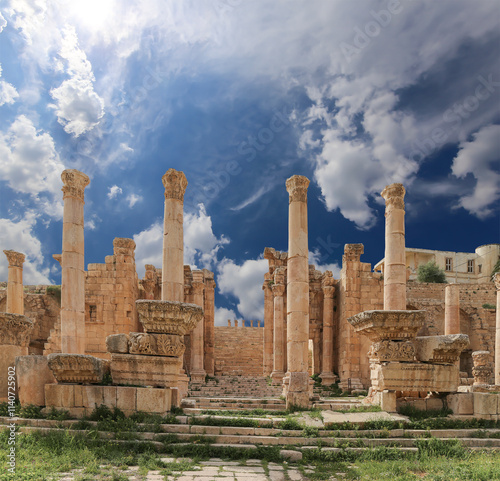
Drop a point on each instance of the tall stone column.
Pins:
(268, 326)
(278, 320)
(296, 383)
(172, 285)
(497, 332)
(15, 292)
(452, 309)
(395, 255)
(327, 376)
(73, 263)
(209, 333)
(197, 369)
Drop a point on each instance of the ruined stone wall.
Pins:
(238, 350)
(42, 305)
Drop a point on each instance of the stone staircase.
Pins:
(228, 386)
(270, 431)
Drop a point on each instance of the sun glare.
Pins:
(92, 14)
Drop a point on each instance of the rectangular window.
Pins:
(480, 268)
(448, 264)
(470, 267)
(93, 313)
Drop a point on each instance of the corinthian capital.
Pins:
(175, 184)
(278, 290)
(297, 186)
(15, 259)
(394, 195)
(74, 183)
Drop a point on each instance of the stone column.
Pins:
(73, 264)
(395, 256)
(209, 333)
(297, 379)
(497, 332)
(452, 309)
(278, 320)
(197, 369)
(268, 326)
(172, 285)
(327, 376)
(15, 293)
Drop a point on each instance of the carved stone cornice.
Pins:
(16, 259)
(383, 351)
(441, 349)
(74, 183)
(394, 196)
(58, 258)
(328, 291)
(77, 368)
(296, 187)
(496, 279)
(175, 184)
(15, 329)
(156, 344)
(278, 290)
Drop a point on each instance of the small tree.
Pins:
(495, 270)
(430, 272)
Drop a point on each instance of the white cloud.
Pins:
(253, 198)
(245, 283)
(149, 245)
(478, 157)
(200, 243)
(3, 22)
(78, 107)
(19, 236)
(8, 93)
(222, 315)
(30, 164)
(315, 259)
(114, 191)
(132, 199)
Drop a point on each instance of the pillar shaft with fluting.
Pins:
(452, 309)
(327, 376)
(395, 255)
(172, 286)
(497, 332)
(278, 321)
(73, 263)
(15, 292)
(197, 369)
(209, 330)
(297, 392)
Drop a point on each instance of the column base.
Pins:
(277, 378)
(328, 378)
(198, 376)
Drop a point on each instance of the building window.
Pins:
(470, 266)
(480, 268)
(93, 313)
(448, 264)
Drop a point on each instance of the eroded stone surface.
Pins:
(77, 368)
(117, 343)
(15, 329)
(441, 349)
(156, 344)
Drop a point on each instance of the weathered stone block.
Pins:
(52, 395)
(485, 403)
(93, 396)
(77, 368)
(152, 400)
(126, 398)
(33, 374)
(117, 343)
(109, 396)
(441, 349)
(388, 401)
(461, 403)
(156, 344)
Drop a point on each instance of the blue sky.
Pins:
(241, 95)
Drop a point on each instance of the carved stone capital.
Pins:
(77, 368)
(352, 252)
(197, 287)
(383, 351)
(328, 291)
(296, 187)
(481, 358)
(175, 184)
(123, 243)
(15, 329)
(210, 284)
(279, 275)
(156, 344)
(496, 278)
(74, 183)
(394, 196)
(16, 259)
(278, 290)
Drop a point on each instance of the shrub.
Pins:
(54, 291)
(30, 411)
(430, 272)
(489, 306)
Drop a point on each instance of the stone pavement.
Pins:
(214, 469)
